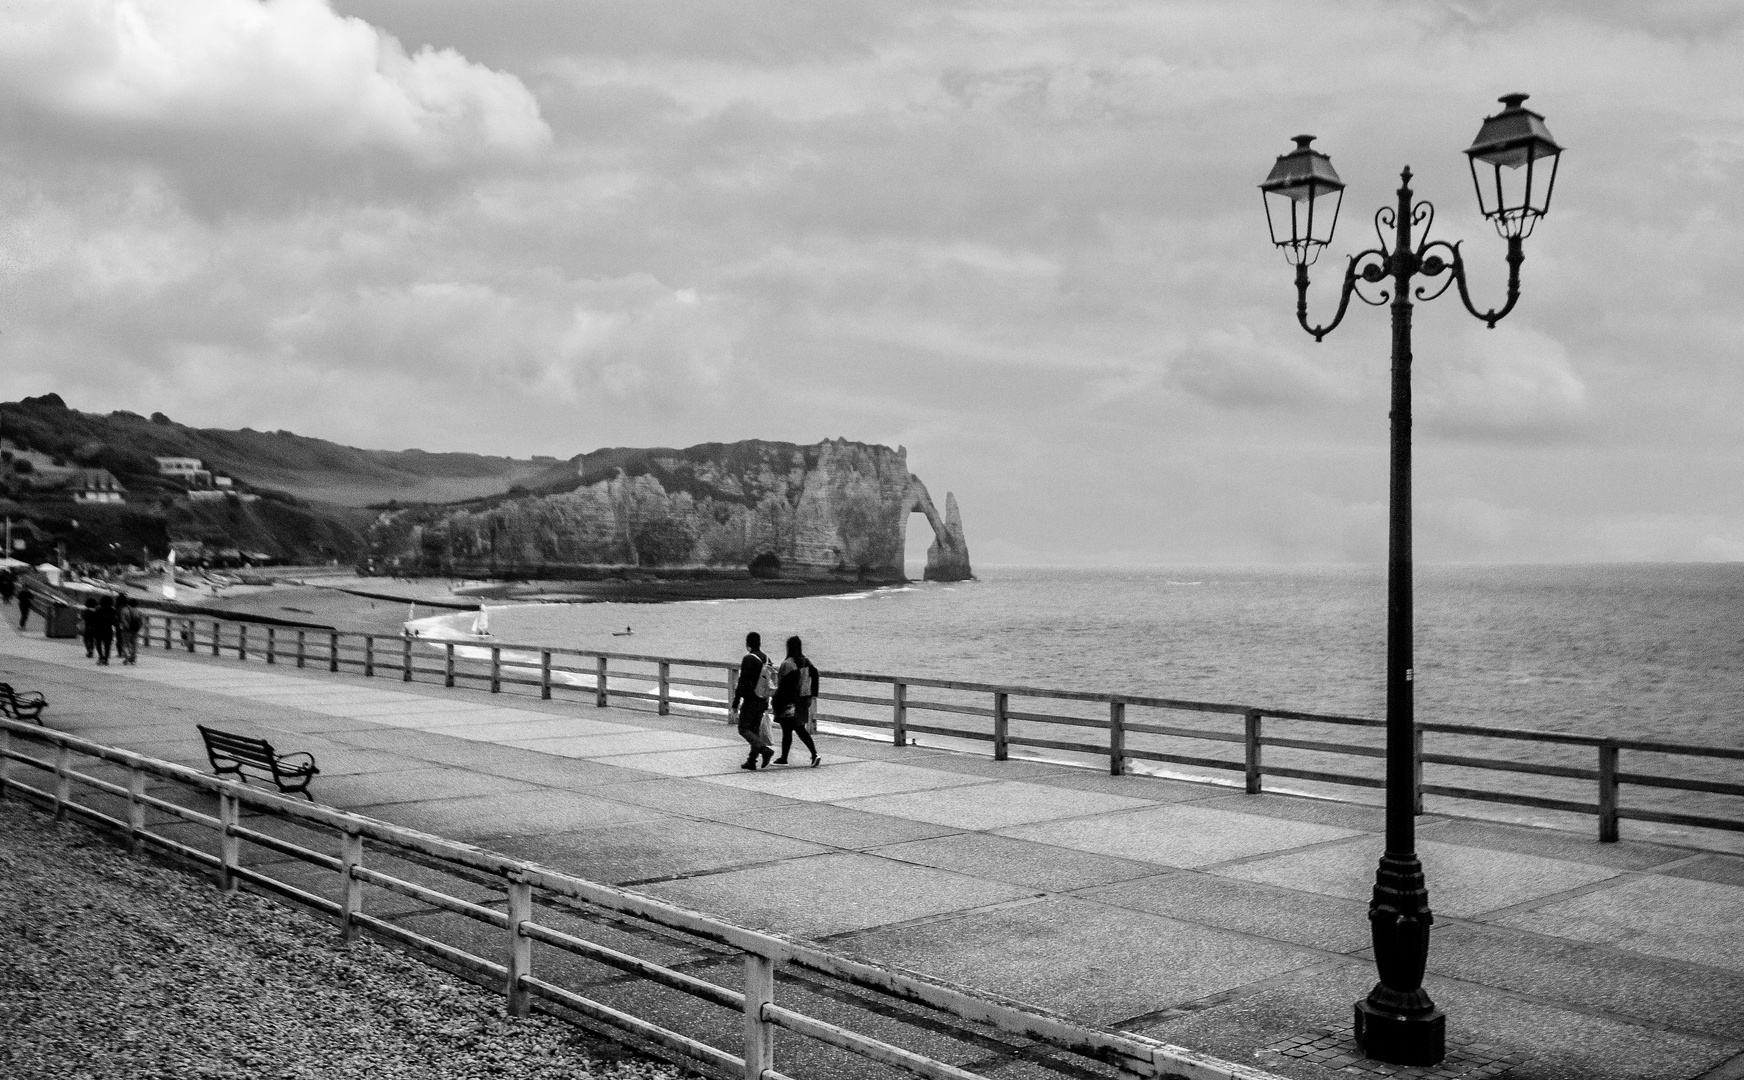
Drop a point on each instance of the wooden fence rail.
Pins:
(1036, 720)
(519, 925)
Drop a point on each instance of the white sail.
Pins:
(481, 625)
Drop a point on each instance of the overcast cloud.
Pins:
(1022, 239)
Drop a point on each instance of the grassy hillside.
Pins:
(314, 469)
(312, 493)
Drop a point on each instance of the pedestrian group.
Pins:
(792, 689)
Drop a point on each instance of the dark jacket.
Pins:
(787, 690)
(749, 668)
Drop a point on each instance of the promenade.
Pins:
(1228, 923)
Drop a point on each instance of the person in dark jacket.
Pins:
(24, 599)
(748, 704)
(88, 626)
(103, 633)
(796, 701)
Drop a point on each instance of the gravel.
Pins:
(114, 966)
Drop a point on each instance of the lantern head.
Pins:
(1302, 195)
(1513, 166)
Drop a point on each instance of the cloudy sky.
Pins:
(1021, 239)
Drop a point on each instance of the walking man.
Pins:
(751, 698)
(127, 624)
(23, 604)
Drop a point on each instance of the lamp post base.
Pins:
(1401, 1040)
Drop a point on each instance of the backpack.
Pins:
(766, 681)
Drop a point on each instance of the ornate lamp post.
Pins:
(1513, 166)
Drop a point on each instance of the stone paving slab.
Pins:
(848, 780)
(515, 813)
(992, 805)
(1463, 881)
(1084, 958)
(410, 785)
(1559, 1043)
(697, 799)
(831, 894)
(1668, 917)
(1180, 835)
(1321, 922)
(629, 742)
(1020, 862)
(1708, 1000)
(651, 850)
(842, 827)
(537, 726)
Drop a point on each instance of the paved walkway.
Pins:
(1229, 923)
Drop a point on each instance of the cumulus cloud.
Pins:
(1237, 368)
(1507, 383)
(251, 72)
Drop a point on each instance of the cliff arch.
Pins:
(948, 555)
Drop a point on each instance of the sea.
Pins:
(1630, 650)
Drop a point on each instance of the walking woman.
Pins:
(795, 701)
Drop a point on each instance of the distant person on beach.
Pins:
(796, 701)
(128, 622)
(23, 604)
(88, 627)
(103, 634)
(751, 697)
(6, 586)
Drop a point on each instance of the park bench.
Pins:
(21, 706)
(242, 756)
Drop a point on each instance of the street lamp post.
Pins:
(1513, 165)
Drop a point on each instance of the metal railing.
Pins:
(1118, 728)
(532, 909)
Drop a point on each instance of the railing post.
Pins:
(369, 655)
(732, 685)
(520, 946)
(1607, 792)
(665, 707)
(599, 683)
(759, 1033)
(1116, 738)
(62, 784)
(1417, 771)
(351, 903)
(242, 641)
(1001, 724)
(300, 648)
(1251, 743)
(496, 680)
(135, 808)
(406, 659)
(217, 636)
(5, 760)
(448, 666)
(227, 841)
(272, 640)
(899, 713)
(190, 635)
(332, 652)
(544, 674)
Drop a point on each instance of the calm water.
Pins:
(1633, 649)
